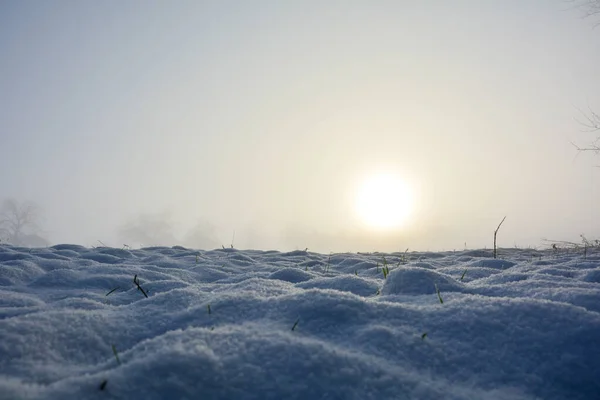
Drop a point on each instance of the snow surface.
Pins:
(526, 326)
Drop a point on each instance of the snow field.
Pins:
(218, 324)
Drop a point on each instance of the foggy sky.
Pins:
(193, 120)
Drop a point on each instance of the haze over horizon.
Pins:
(188, 121)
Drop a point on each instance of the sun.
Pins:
(384, 201)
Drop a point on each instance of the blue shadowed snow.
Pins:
(231, 324)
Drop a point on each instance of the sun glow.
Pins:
(384, 201)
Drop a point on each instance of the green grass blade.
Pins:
(439, 295)
(295, 324)
(114, 349)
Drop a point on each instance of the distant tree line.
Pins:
(157, 230)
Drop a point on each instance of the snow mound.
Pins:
(492, 263)
(292, 275)
(350, 284)
(592, 276)
(418, 281)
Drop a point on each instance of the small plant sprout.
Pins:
(112, 291)
(386, 271)
(295, 324)
(463, 274)
(385, 268)
(355, 272)
(114, 349)
(495, 234)
(208, 308)
(378, 292)
(438, 294)
(423, 336)
(404, 256)
(586, 244)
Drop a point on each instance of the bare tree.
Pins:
(148, 230)
(590, 8)
(19, 223)
(590, 121)
(201, 236)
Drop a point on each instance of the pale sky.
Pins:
(264, 117)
